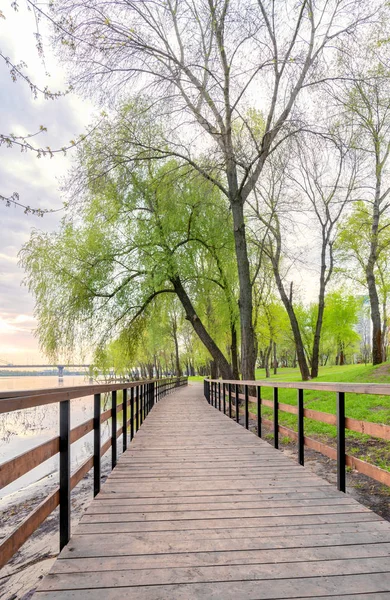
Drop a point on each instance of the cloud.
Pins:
(35, 180)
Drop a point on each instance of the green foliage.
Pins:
(118, 250)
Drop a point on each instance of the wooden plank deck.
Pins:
(200, 508)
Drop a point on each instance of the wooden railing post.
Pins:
(276, 419)
(258, 396)
(113, 428)
(96, 444)
(64, 473)
(246, 391)
(301, 434)
(124, 420)
(341, 441)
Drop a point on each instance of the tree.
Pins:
(340, 319)
(365, 99)
(126, 246)
(326, 176)
(200, 63)
(354, 250)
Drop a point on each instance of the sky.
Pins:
(36, 180)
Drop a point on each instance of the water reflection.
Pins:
(22, 430)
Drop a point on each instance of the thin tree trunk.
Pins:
(320, 317)
(377, 357)
(266, 361)
(220, 360)
(300, 352)
(236, 372)
(275, 360)
(177, 357)
(248, 354)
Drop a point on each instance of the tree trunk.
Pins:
(236, 372)
(300, 352)
(266, 360)
(177, 357)
(220, 360)
(320, 316)
(342, 357)
(275, 360)
(248, 354)
(377, 357)
(213, 369)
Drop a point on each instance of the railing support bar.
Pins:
(113, 429)
(301, 434)
(258, 396)
(96, 444)
(64, 473)
(276, 419)
(341, 441)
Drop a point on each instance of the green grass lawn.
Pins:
(358, 406)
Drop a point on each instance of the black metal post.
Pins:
(224, 398)
(137, 407)
(237, 399)
(341, 441)
(230, 400)
(124, 420)
(113, 429)
(131, 413)
(141, 403)
(96, 444)
(301, 434)
(219, 396)
(64, 473)
(258, 396)
(246, 389)
(276, 419)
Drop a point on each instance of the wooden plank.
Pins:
(215, 557)
(224, 540)
(307, 587)
(114, 516)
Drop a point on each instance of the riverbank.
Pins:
(20, 577)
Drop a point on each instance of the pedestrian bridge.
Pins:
(198, 507)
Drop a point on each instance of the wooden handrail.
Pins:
(381, 389)
(378, 430)
(212, 392)
(9, 401)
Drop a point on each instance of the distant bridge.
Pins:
(61, 368)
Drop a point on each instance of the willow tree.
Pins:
(130, 239)
(225, 76)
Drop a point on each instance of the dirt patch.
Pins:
(383, 370)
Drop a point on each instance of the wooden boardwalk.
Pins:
(200, 508)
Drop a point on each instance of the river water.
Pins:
(22, 430)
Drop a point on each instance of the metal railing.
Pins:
(223, 393)
(138, 398)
